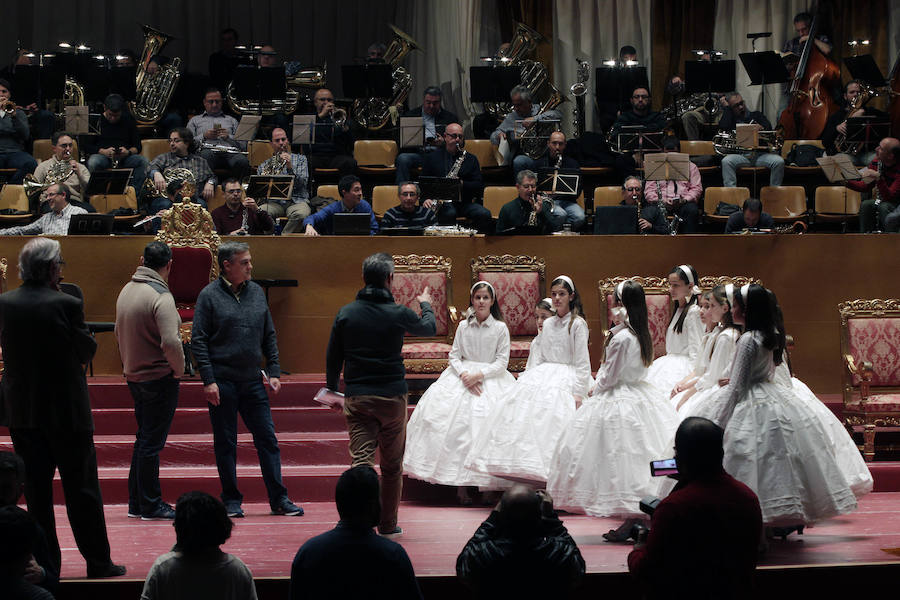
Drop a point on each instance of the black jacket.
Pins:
(438, 163)
(441, 120)
(736, 222)
(366, 340)
(655, 216)
(830, 132)
(45, 347)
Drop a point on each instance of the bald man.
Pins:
(284, 162)
(883, 175)
(333, 147)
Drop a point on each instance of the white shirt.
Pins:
(688, 341)
(623, 364)
(722, 344)
(49, 224)
(560, 345)
(486, 342)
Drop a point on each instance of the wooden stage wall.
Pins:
(810, 274)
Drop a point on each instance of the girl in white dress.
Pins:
(452, 410)
(685, 332)
(850, 460)
(601, 465)
(717, 353)
(773, 443)
(542, 311)
(519, 437)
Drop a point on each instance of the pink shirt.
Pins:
(688, 190)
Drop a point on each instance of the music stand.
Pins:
(866, 133)
(302, 129)
(441, 189)
(108, 182)
(270, 187)
(259, 83)
(637, 139)
(840, 169)
(493, 84)
(539, 130)
(35, 84)
(247, 128)
(703, 76)
(367, 81)
(561, 183)
(764, 68)
(863, 68)
(412, 132)
(77, 121)
(615, 84)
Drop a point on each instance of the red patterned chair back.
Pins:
(876, 340)
(412, 273)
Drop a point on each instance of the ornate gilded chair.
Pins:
(188, 229)
(870, 378)
(520, 283)
(412, 273)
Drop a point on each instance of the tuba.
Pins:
(725, 142)
(373, 113)
(153, 90)
(188, 189)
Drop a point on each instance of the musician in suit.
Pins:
(837, 124)
(435, 119)
(651, 218)
(528, 213)
(526, 111)
(737, 113)
(555, 158)
(45, 402)
(442, 162)
(333, 147)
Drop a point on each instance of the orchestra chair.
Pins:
(218, 199)
(702, 148)
(376, 157)
(795, 170)
(607, 195)
(43, 149)
(328, 191)
(833, 206)
(412, 273)
(383, 198)
(786, 203)
(106, 203)
(189, 231)
(13, 197)
(153, 147)
(495, 196)
(519, 283)
(870, 374)
(488, 160)
(713, 195)
(258, 152)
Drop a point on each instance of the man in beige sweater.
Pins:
(147, 329)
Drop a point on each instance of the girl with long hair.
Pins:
(452, 411)
(518, 438)
(684, 334)
(601, 463)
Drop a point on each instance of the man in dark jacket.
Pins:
(521, 550)
(751, 217)
(435, 119)
(366, 340)
(48, 412)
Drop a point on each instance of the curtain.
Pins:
(595, 30)
(679, 26)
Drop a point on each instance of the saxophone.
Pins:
(153, 90)
(454, 170)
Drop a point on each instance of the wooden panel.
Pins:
(810, 273)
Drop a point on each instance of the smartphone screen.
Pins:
(661, 468)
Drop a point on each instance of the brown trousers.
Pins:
(379, 421)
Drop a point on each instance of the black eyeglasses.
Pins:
(454, 135)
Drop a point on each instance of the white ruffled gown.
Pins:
(449, 417)
(681, 350)
(519, 437)
(601, 465)
(849, 459)
(722, 342)
(775, 444)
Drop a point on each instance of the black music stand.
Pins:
(270, 187)
(367, 81)
(703, 76)
(441, 189)
(493, 84)
(121, 81)
(615, 84)
(638, 139)
(266, 284)
(110, 181)
(764, 68)
(259, 83)
(863, 68)
(563, 184)
(839, 169)
(35, 84)
(866, 132)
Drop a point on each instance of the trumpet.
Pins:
(338, 115)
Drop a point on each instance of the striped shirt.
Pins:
(300, 168)
(49, 224)
(397, 217)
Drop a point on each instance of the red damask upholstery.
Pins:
(409, 285)
(879, 402)
(659, 313)
(519, 349)
(426, 350)
(517, 295)
(876, 341)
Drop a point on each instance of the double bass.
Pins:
(812, 100)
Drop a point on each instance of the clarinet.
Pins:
(558, 162)
(454, 170)
(676, 220)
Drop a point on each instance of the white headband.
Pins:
(548, 301)
(619, 289)
(744, 291)
(487, 283)
(729, 293)
(568, 280)
(686, 269)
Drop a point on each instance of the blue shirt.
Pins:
(323, 220)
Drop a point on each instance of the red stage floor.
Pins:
(434, 535)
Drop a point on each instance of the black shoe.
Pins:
(134, 513)
(109, 570)
(163, 512)
(234, 511)
(288, 509)
(389, 534)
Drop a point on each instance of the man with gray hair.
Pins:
(55, 222)
(49, 412)
(525, 111)
(736, 113)
(409, 213)
(435, 119)
(366, 340)
(530, 212)
(148, 331)
(232, 333)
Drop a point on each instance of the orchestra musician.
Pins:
(651, 218)
(836, 125)
(680, 198)
(217, 130)
(13, 135)
(41, 121)
(224, 61)
(737, 113)
(453, 160)
(793, 48)
(333, 147)
(183, 155)
(62, 159)
(640, 114)
(435, 119)
(118, 141)
(529, 212)
(523, 110)
(555, 158)
(285, 162)
(240, 215)
(409, 213)
(882, 178)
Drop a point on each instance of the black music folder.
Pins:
(493, 84)
(91, 224)
(615, 220)
(351, 223)
(446, 189)
(367, 81)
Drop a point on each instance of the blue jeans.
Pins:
(571, 212)
(250, 400)
(406, 162)
(154, 408)
(522, 162)
(22, 162)
(98, 162)
(731, 163)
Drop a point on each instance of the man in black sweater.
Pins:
(366, 340)
(118, 142)
(232, 332)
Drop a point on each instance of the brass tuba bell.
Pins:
(153, 90)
